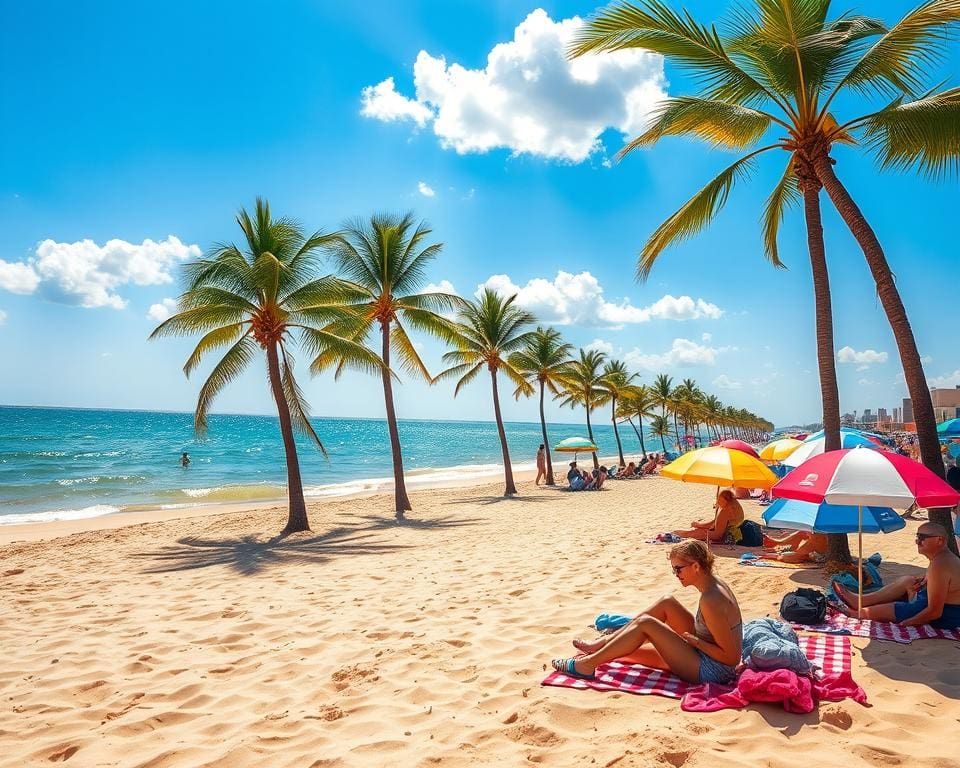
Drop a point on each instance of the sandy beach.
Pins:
(206, 641)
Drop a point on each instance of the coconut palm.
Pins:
(384, 261)
(490, 330)
(713, 413)
(637, 402)
(616, 383)
(582, 387)
(543, 361)
(263, 295)
(785, 67)
(660, 427)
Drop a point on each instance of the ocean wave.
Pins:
(97, 510)
(100, 480)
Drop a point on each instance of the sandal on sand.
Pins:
(566, 667)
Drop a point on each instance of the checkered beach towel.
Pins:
(839, 624)
(829, 653)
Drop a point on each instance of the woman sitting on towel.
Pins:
(705, 648)
(725, 524)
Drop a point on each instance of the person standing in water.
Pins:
(185, 460)
(541, 464)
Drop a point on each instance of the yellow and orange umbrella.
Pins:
(721, 467)
(778, 450)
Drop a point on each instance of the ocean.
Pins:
(71, 463)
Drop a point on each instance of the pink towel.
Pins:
(797, 693)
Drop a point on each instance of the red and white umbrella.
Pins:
(859, 476)
(862, 477)
(739, 445)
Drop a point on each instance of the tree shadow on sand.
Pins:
(378, 523)
(249, 555)
(487, 500)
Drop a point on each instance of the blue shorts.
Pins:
(712, 671)
(949, 619)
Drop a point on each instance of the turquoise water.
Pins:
(58, 463)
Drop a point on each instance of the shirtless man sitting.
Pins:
(911, 601)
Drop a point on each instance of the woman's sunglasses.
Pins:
(678, 568)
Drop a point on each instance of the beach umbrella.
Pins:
(575, 445)
(778, 450)
(949, 428)
(831, 518)
(816, 443)
(858, 477)
(739, 445)
(720, 466)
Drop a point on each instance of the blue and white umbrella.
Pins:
(831, 518)
(816, 443)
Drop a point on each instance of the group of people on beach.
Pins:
(584, 480)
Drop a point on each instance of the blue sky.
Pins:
(143, 129)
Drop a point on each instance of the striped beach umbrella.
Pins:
(816, 444)
(778, 450)
(720, 466)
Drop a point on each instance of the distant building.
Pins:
(867, 416)
(897, 413)
(882, 416)
(907, 410)
(946, 403)
(849, 418)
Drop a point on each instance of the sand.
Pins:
(205, 641)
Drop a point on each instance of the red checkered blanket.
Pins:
(829, 653)
(839, 624)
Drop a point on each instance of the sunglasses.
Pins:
(678, 568)
(922, 536)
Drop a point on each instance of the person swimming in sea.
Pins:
(185, 460)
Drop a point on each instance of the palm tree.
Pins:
(489, 331)
(582, 386)
(385, 260)
(713, 413)
(660, 427)
(785, 67)
(638, 402)
(543, 360)
(616, 382)
(254, 296)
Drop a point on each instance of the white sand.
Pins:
(203, 641)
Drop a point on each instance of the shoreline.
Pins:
(440, 479)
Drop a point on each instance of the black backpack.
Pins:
(804, 606)
(750, 534)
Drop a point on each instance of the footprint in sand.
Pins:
(62, 755)
(13, 572)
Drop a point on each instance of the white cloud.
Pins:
(444, 286)
(724, 382)
(865, 382)
(926, 359)
(160, 312)
(683, 353)
(18, 277)
(382, 102)
(706, 338)
(600, 346)
(947, 381)
(863, 368)
(529, 98)
(868, 356)
(3, 317)
(425, 189)
(578, 300)
(86, 274)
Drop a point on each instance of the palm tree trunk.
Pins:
(923, 414)
(616, 432)
(676, 432)
(297, 508)
(546, 441)
(838, 545)
(643, 448)
(511, 489)
(400, 499)
(663, 444)
(596, 464)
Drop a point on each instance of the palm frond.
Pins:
(696, 213)
(231, 365)
(718, 123)
(296, 402)
(923, 134)
(784, 195)
(218, 337)
(410, 360)
(200, 319)
(348, 353)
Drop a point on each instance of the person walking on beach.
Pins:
(185, 460)
(541, 464)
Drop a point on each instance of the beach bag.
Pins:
(750, 534)
(804, 606)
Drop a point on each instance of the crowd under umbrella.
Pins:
(722, 467)
(575, 445)
(864, 478)
(816, 444)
